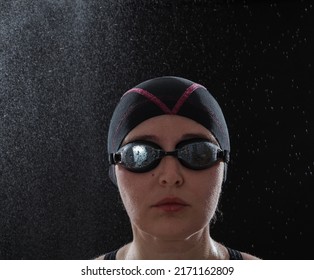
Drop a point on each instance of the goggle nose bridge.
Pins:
(162, 154)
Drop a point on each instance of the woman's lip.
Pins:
(168, 207)
(171, 201)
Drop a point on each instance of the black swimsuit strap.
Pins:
(111, 255)
(234, 254)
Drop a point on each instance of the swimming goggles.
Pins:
(143, 156)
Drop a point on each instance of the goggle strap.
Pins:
(224, 155)
(110, 159)
(114, 158)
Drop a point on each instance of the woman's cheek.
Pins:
(131, 191)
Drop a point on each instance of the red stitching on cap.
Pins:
(152, 98)
(185, 96)
(161, 104)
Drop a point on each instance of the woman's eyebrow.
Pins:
(199, 135)
(145, 137)
(186, 136)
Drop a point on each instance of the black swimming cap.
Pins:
(166, 95)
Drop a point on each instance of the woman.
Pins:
(169, 147)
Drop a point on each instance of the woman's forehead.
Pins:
(171, 127)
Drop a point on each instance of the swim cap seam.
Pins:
(151, 98)
(185, 96)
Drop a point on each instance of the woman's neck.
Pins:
(145, 246)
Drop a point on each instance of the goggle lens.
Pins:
(138, 156)
(198, 155)
(143, 156)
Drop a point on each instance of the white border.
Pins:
(252, 269)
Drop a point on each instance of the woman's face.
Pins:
(191, 196)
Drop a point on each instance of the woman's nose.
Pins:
(170, 172)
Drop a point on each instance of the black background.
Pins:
(63, 67)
